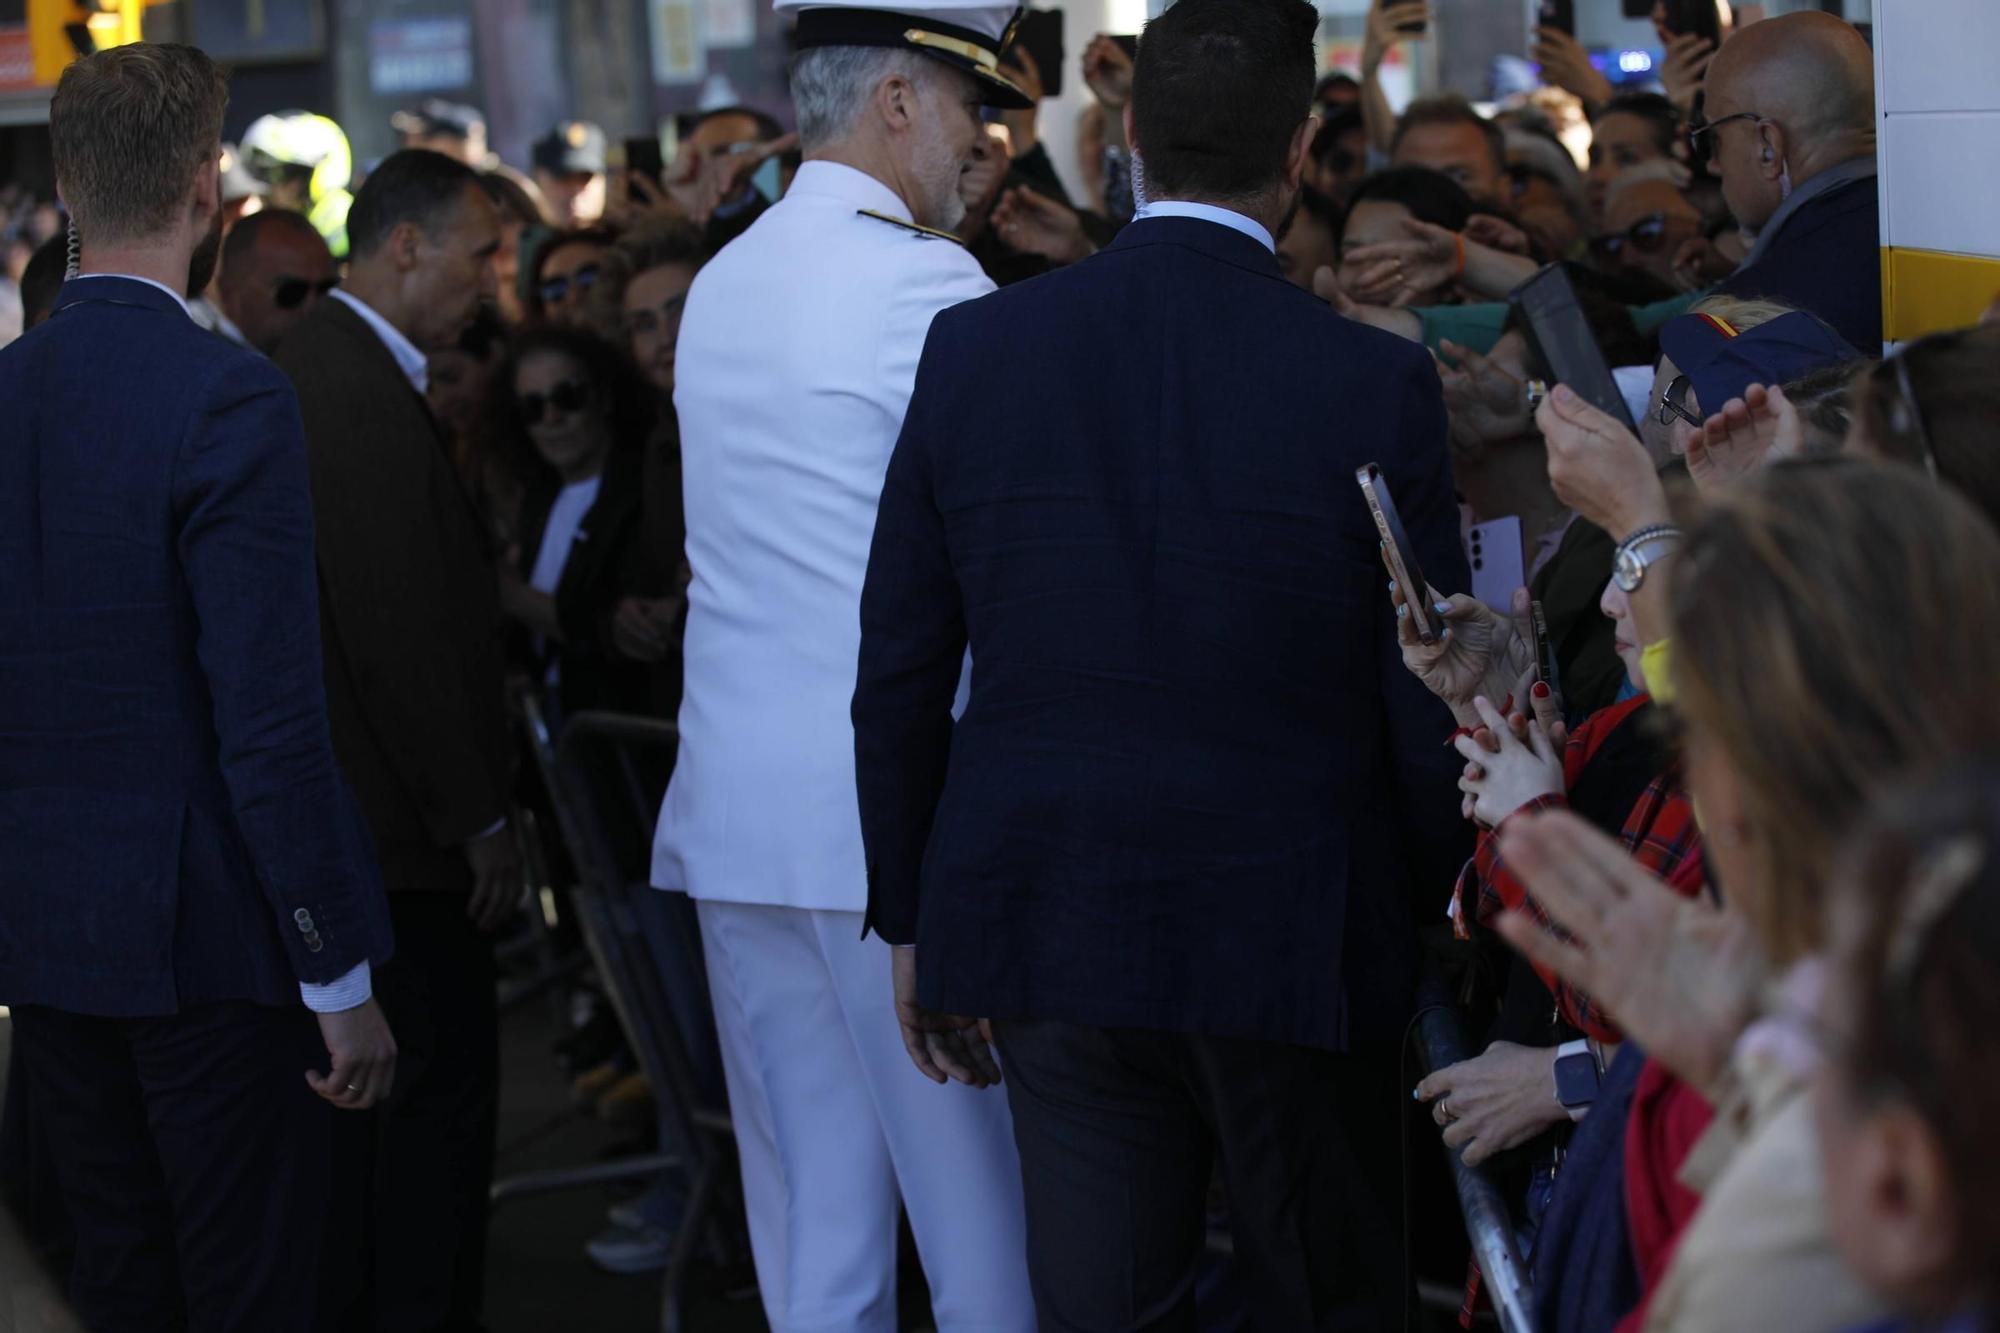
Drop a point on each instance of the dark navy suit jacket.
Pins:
(1194, 786)
(173, 828)
(1826, 258)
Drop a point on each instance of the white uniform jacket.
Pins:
(797, 355)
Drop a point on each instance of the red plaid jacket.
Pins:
(1659, 832)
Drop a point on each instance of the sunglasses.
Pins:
(566, 397)
(556, 290)
(291, 293)
(1646, 236)
(1906, 414)
(1673, 403)
(1702, 128)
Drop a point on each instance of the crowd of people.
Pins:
(1044, 721)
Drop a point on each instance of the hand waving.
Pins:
(1749, 433)
(1680, 975)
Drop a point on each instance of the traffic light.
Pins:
(61, 30)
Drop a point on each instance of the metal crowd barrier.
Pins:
(1489, 1223)
(605, 808)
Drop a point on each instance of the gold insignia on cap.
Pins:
(576, 134)
(937, 41)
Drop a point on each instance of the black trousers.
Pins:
(192, 1160)
(411, 1177)
(1120, 1133)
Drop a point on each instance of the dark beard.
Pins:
(201, 264)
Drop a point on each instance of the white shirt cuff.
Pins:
(349, 992)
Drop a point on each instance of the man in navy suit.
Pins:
(183, 862)
(1170, 848)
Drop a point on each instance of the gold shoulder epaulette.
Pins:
(911, 227)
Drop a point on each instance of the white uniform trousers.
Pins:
(831, 1118)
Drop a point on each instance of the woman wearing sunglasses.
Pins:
(1646, 222)
(566, 402)
(565, 274)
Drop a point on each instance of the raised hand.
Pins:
(1598, 467)
(1035, 224)
(1749, 433)
(1566, 64)
(1107, 70)
(1484, 402)
(1507, 773)
(1386, 30)
(1681, 976)
(1479, 653)
(1402, 323)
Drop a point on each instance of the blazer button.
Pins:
(304, 918)
(313, 942)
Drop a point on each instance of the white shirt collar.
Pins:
(849, 185)
(226, 326)
(1223, 217)
(179, 299)
(416, 367)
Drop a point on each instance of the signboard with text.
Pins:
(412, 56)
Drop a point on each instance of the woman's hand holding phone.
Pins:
(1479, 652)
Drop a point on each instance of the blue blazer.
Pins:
(174, 828)
(1194, 786)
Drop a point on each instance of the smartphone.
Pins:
(1697, 17)
(1557, 14)
(643, 158)
(1402, 556)
(1041, 36)
(1415, 28)
(1546, 671)
(1494, 551)
(1637, 9)
(767, 180)
(1130, 41)
(1562, 336)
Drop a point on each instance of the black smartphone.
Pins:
(1557, 14)
(1561, 335)
(1696, 17)
(1128, 40)
(1401, 556)
(1041, 36)
(643, 158)
(1546, 670)
(1637, 9)
(1414, 28)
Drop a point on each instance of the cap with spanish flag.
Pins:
(1721, 361)
(969, 36)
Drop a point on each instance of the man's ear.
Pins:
(406, 240)
(208, 187)
(1301, 151)
(1771, 156)
(896, 103)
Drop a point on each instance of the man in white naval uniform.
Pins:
(797, 355)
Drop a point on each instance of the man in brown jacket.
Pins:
(410, 622)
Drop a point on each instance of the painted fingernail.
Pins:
(1392, 585)
(1541, 690)
(1442, 608)
(1402, 613)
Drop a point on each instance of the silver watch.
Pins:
(1641, 549)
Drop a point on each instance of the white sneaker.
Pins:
(631, 1250)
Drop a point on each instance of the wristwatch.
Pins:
(1636, 552)
(1577, 1077)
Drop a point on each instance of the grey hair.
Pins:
(830, 84)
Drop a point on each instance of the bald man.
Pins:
(1790, 115)
(275, 269)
